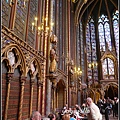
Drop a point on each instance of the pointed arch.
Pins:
(21, 62)
(37, 65)
(110, 84)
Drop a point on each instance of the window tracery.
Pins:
(108, 68)
(92, 71)
(116, 31)
(105, 43)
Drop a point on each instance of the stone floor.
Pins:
(111, 117)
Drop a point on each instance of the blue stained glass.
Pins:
(91, 50)
(116, 31)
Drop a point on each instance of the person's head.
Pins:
(52, 116)
(66, 117)
(72, 115)
(89, 101)
(36, 115)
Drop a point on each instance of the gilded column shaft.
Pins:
(31, 97)
(65, 96)
(13, 14)
(43, 92)
(57, 99)
(39, 96)
(38, 106)
(46, 49)
(54, 100)
(9, 77)
(21, 98)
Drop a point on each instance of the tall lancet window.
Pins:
(116, 31)
(108, 69)
(20, 20)
(91, 52)
(32, 19)
(82, 64)
(104, 33)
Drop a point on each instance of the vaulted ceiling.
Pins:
(94, 8)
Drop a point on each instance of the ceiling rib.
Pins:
(91, 11)
(99, 8)
(114, 4)
(84, 10)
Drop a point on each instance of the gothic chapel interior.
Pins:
(57, 52)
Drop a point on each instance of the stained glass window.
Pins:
(116, 30)
(105, 41)
(108, 68)
(81, 49)
(33, 14)
(20, 20)
(6, 9)
(104, 37)
(91, 51)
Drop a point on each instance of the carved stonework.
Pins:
(53, 78)
(108, 53)
(23, 80)
(53, 54)
(11, 57)
(22, 44)
(9, 77)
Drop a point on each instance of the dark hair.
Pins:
(51, 116)
(72, 115)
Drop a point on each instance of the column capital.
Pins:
(9, 77)
(53, 85)
(40, 83)
(32, 81)
(22, 80)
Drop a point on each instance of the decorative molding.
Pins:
(11, 37)
(24, 53)
(108, 53)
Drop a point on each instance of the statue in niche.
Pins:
(11, 57)
(53, 54)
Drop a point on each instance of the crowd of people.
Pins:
(108, 106)
(88, 111)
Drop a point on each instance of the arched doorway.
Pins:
(111, 92)
(61, 94)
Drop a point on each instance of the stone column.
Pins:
(79, 93)
(39, 95)
(13, 15)
(53, 79)
(31, 95)
(22, 82)
(54, 97)
(9, 78)
(65, 94)
(48, 97)
(57, 98)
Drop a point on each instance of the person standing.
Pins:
(36, 115)
(72, 117)
(116, 106)
(94, 113)
(106, 108)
